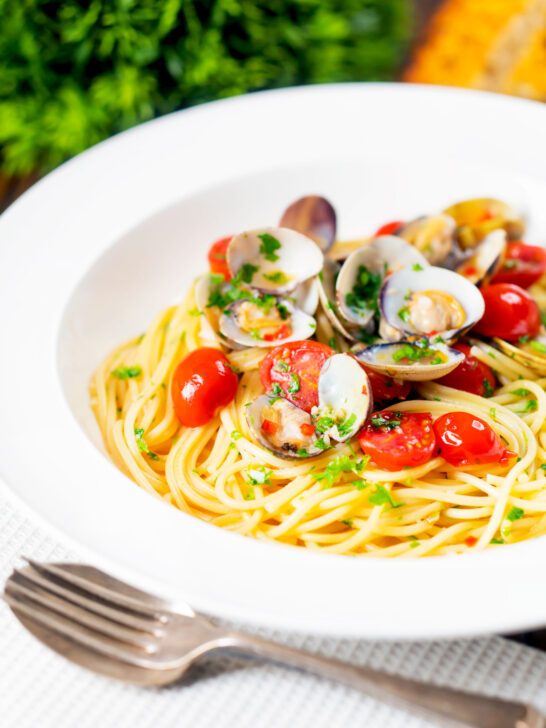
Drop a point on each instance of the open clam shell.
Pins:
(277, 424)
(274, 260)
(532, 354)
(486, 259)
(313, 216)
(327, 297)
(345, 396)
(249, 323)
(431, 301)
(345, 401)
(414, 362)
(478, 217)
(431, 235)
(363, 273)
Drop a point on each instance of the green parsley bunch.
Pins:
(73, 72)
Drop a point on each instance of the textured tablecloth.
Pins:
(38, 689)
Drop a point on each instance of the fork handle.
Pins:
(449, 708)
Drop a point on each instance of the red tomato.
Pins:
(471, 375)
(295, 368)
(389, 228)
(510, 312)
(523, 265)
(217, 257)
(396, 440)
(202, 382)
(385, 388)
(465, 439)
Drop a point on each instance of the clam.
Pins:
(431, 235)
(306, 296)
(486, 259)
(430, 302)
(345, 401)
(361, 276)
(280, 426)
(531, 353)
(210, 315)
(265, 320)
(274, 260)
(478, 217)
(313, 216)
(413, 361)
(327, 296)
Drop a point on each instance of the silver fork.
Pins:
(116, 630)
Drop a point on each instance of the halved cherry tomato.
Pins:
(295, 368)
(388, 228)
(510, 312)
(523, 265)
(217, 257)
(396, 440)
(386, 388)
(202, 382)
(465, 439)
(471, 375)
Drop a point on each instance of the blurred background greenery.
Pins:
(73, 73)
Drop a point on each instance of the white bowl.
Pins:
(93, 251)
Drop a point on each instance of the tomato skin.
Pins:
(408, 444)
(388, 228)
(465, 439)
(217, 257)
(304, 359)
(523, 265)
(470, 375)
(386, 388)
(202, 382)
(510, 312)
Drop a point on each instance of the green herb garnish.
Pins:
(365, 291)
(381, 496)
(295, 384)
(268, 246)
(381, 421)
(127, 372)
(417, 267)
(538, 346)
(404, 314)
(277, 277)
(338, 466)
(520, 392)
(515, 513)
(487, 388)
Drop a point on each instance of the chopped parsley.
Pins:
(338, 466)
(538, 346)
(509, 264)
(246, 273)
(268, 246)
(515, 513)
(236, 435)
(281, 366)
(523, 339)
(250, 495)
(381, 496)
(520, 392)
(295, 384)
(381, 421)
(497, 540)
(487, 388)
(322, 424)
(543, 317)
(143, 445)
(404, 314)
(302, 452)
(321, 444)
(233, 368)
(276, 389)
(259, 475)
(256, 335)
(543, 466)
(277, 277)
(417, 267)
(530, 406)
(127, 372)
(332, 343)
(195, 312)
(347, 522)
(365, 291)
(438, 340)
(345, 428)
(414, 352)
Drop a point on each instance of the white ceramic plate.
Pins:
(92, 252)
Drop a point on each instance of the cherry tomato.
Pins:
(295, 368)
(389, 228)
(471, 375)
(217, 257)
(202, 382)
(386, 388)
(465, 439)
(523, 265)
(396, 440)
(510, 312)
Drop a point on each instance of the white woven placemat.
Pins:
(38, 689)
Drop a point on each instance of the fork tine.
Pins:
(56, 571)
(142, 624)
(75, 613)
(79, 634)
